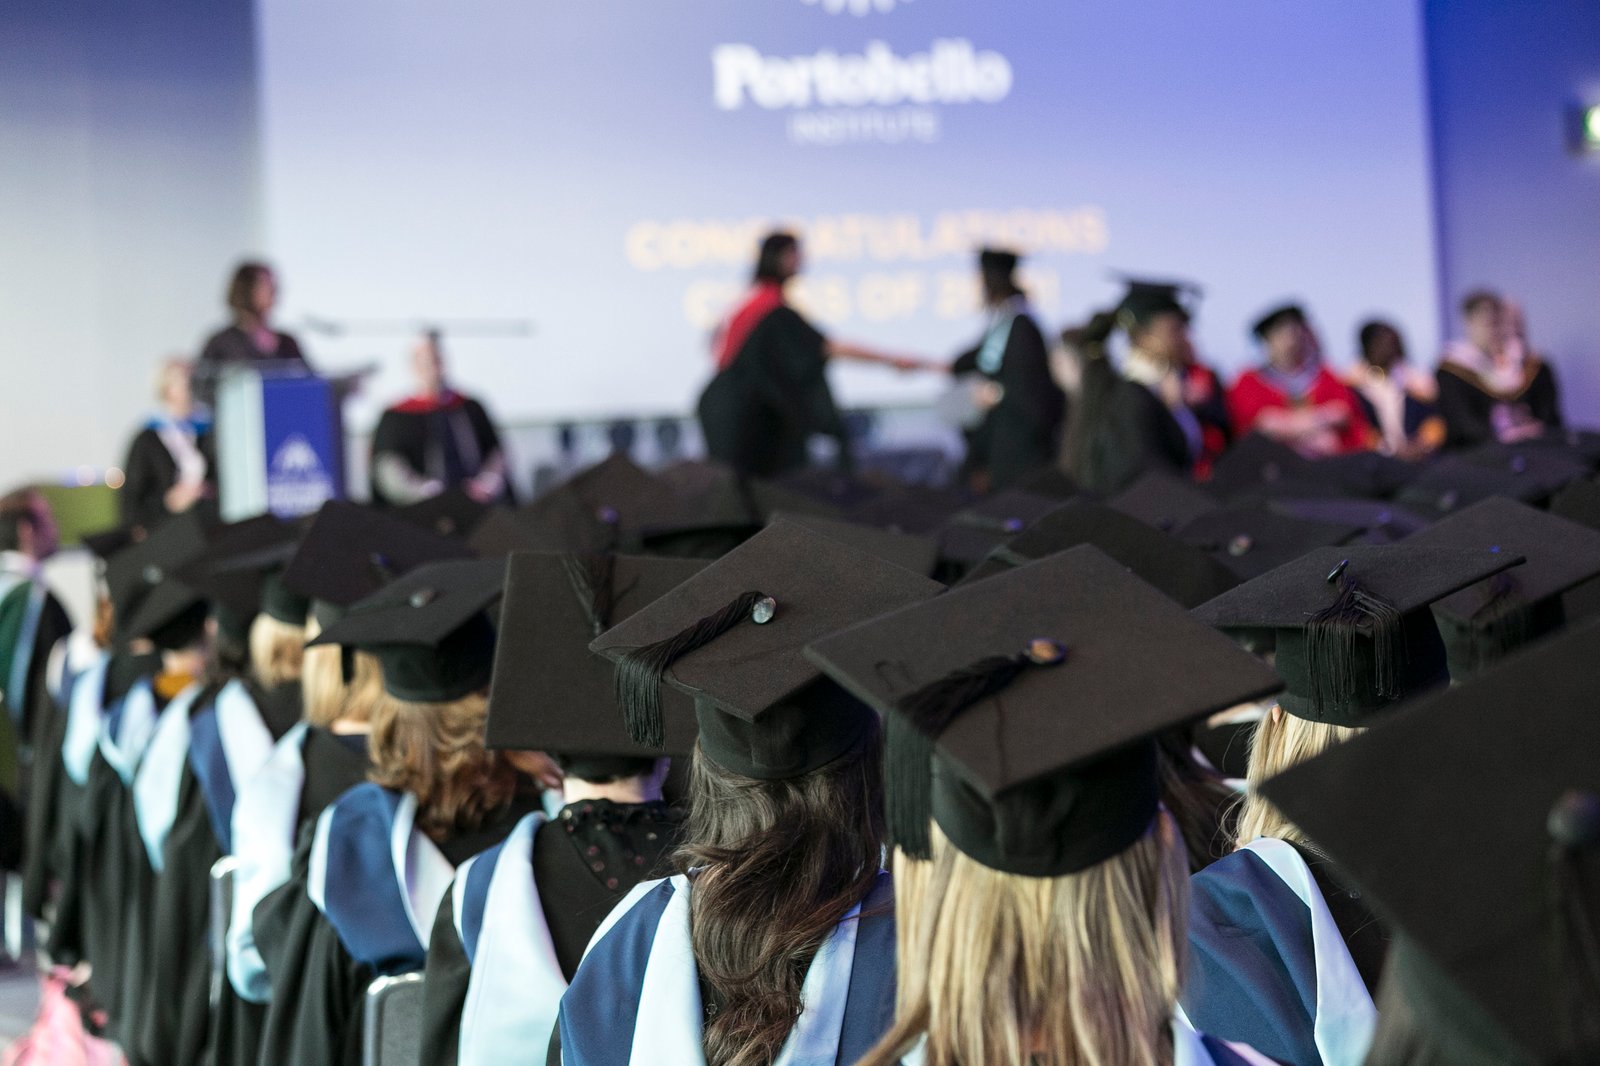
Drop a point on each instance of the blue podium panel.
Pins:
(280, 445)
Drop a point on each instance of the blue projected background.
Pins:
(602, 169)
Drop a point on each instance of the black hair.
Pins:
(604, 769)
(1478, 299)
(1369, 332)
(769, 261)
(242, 286)
(16, 511)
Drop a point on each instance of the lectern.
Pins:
(280, 443)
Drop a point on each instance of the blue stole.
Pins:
(376, 878)
(635, 999)
(85, 702)
(1268, 965)
(516, 983)
(228, 743)
(992, 352)
(157, 781)
(265, 817)
(127, 730)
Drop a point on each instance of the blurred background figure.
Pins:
(1294, 398)
(251, 339)
(170, 466)
(438, 439)
(1021, 405)
(1492, 386)
(1400, 403)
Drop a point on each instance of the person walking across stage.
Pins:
(170, 465)
(1022, 406)
(252, 294)
(437, 440)
(1294, 398)
(770, 394)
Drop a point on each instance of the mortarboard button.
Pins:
(1239, 545)
(763, 610)
(1448, 499)
(1575, 819)
(1333, 575)
(423, 597)
(1519, 464)
(152, 574)
(1042, 651)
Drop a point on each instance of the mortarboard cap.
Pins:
(1145, 301)
(147, 596)
(1354, 635)
(908, 508)
(1184, 574)
(974, 532)
(1370, 474)
(1531, 476)
(1001, 261)
(1254, 463)
(1253, 540)
(1038, 750)
(732, 635)
(1290, 312)
(549, 692)
(351, 551)
(1380, 521)
(1051, 482)
(1483, 623)
(1163, 501)
(428, 629)
(451, 513)
(1484, 868)
(907, 550)
(240, 573)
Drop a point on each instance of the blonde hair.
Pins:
(326, 696)
(993, 966)
(435, 752)
(1281, 741)
(166, 370)
(277, 650)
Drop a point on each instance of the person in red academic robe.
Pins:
(1294, 398)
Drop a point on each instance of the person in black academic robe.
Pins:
(250, 340)
(1492, 386)
(437, 440)
(171, 461)
(770, 395)
(1022, 405)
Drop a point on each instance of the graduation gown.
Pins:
(150, 471)
(32, 622)
(1272, 964)
(1137, 434)
(759, 413)
(447, 442)
(635, 999)
(365, 887)
(206, 758)
(1257, 391)
(541, 893)
(1021, 433)
(1467, 402)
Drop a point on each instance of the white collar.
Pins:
(15, 562)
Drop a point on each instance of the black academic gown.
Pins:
(1137, 434)
(759, 414)
(45, 726)
(150, 470)
(1466, 404)
(233, 347)
(317, 987)
(172, 968)
(1021, 433)
(450, 444)
(630, 843)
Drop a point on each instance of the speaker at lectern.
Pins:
(280, 442)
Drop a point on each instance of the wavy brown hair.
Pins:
(776, 866)
(325, 695)
(435, 752)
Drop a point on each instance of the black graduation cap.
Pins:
(1354, 633)
(1488, 863)
(732, 637)
(1485, 622)
(1579, 502)
(1145, 300)
(1034, 712)
(429, 630)
(709, 512)
(908, 508)
(1370, 474)
(1164, 501)
(974, 532)
(549, 692)
(240, 571)
(1049, 481)
(1253, 540)
(1184, 574)
(148, 598)
(1453, 482)
(1381, 521)
(1289, 312)
(451, 513)
(914, 553)
(1256, 461)
(1547, 461)
(1000, 261)
(350, 552)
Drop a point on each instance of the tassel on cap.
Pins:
(1574, 827)
(923, 715)
(1503, 619)
(1331, 640)
(592, 577)
(640, 671)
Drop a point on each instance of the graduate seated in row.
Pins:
(774, 941)
(1040, 885)
(1492, 386)
(1294, 398)
(1401, 403)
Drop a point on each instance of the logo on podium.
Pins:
(298, 481)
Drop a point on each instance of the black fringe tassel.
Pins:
(1331, 636)
(592, 579)
(924, 714)
(1502, 618)
(640, 671)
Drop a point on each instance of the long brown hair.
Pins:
(777, 865)
(435, 752)
(325, 694)
(993, 966)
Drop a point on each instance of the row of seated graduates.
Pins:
(184, 597)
